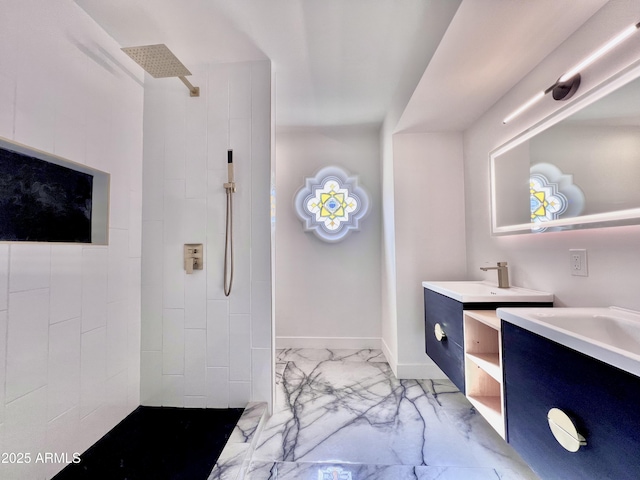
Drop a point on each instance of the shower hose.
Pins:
(228, 246)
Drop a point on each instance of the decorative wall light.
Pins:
(331, 204)
(567, 84)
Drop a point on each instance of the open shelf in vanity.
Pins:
(483, 366)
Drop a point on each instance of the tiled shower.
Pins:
(200, 348)
(78, 321)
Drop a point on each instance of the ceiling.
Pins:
(489, 46)
(348, 62)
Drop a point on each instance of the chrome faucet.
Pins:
(503, 274)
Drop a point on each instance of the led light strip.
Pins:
(525, 106)
(568, 83)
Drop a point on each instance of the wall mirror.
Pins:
(579, 168)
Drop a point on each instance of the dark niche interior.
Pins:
(43, 202)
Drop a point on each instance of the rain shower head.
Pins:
(160, 62)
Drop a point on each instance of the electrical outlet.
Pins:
(578, 262)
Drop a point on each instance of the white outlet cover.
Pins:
(578, 262)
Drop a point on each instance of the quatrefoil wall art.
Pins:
(331, 204)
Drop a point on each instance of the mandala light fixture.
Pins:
(331, 204)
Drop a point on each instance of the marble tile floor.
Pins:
(235, 457)
(342, 415)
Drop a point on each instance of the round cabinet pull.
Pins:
(564, 430)
(439, 333)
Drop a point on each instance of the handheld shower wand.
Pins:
(230, 187)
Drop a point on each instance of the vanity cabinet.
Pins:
(483, 366)
(448, 352)
(601, 400)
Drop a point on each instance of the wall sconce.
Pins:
(331, 204)
(567, 84)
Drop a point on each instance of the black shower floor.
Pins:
(158, 443)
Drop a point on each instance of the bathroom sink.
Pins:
(611, 335)
(477, 291)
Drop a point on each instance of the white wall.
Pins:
(542, 261)
(429, 234)
(200, 348)
(388, 283)
(424, 47)
(327, 295)
(69, 314)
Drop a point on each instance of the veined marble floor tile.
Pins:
(248, 423)
(280, 366)
(237, 452)
(348, 407)
(346, 471)
(229, 464)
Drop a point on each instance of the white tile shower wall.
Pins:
(63, 386)
(66, 283)
(3, 364)
(69, 314)
(200, 348)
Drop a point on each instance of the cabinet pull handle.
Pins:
(564, 430)
(439, 333)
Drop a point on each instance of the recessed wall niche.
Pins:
(45, 198)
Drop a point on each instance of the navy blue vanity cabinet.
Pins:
(601, 400)
(447, 353)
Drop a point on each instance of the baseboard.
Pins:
(391, 359)
(400, 370)
(411, 371)
(418, 371)
(358, 343)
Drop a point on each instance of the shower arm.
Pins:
(193, 91)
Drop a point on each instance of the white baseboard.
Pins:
(400, 370)
(411, 371)
(391, 359)
(418, 371)
(357, 343)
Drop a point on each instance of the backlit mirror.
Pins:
(579, 168)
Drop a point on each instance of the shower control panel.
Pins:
(193, 257)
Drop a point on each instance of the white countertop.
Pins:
(611, 335)
(478, 291)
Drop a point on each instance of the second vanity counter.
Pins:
(571, 387)
(611, 335)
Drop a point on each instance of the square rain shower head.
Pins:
(157, 60)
